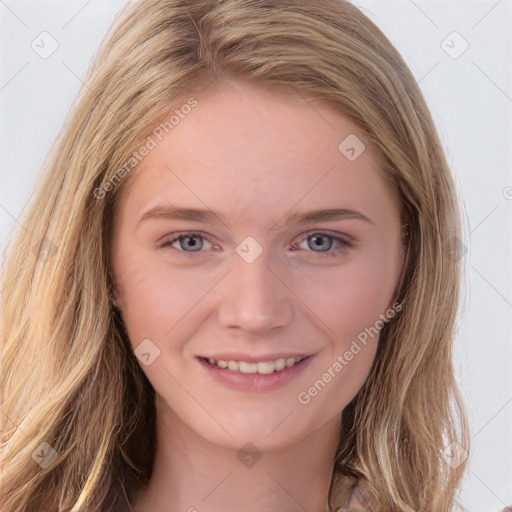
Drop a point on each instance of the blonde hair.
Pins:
(70, 378)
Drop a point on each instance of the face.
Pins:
(215, 258)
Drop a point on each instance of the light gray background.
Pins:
(471, 99)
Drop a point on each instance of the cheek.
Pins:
(156, 302)
(351, 298)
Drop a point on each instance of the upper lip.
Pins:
(237, 356)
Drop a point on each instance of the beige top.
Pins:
(358, 499)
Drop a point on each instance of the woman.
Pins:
(178, 336)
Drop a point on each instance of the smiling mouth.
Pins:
(262, 367)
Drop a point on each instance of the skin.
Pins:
(252, 154)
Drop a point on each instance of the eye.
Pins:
(191, 244)
(187, 243)
(325, 243)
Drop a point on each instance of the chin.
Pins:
(267, 432)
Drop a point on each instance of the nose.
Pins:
(254, 297)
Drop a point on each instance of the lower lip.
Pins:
(255, 382)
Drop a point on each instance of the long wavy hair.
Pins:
(78, 415)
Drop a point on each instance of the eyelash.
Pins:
(343, 244)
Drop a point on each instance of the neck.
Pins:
(192, 474)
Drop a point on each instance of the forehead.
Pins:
(246, 144)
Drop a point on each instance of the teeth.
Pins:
(280, 364)
(248, 367)
(290, 361)
(267, 367)
(263, 367)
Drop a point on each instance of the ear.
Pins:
(113, 293)
(113, 298)
(405, 237)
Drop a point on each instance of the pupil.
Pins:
(318, 242)
(192, 241)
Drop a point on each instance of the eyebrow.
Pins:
(175, 212)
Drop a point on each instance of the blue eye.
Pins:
(316, 241)
(192, 241)
(319, 243)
